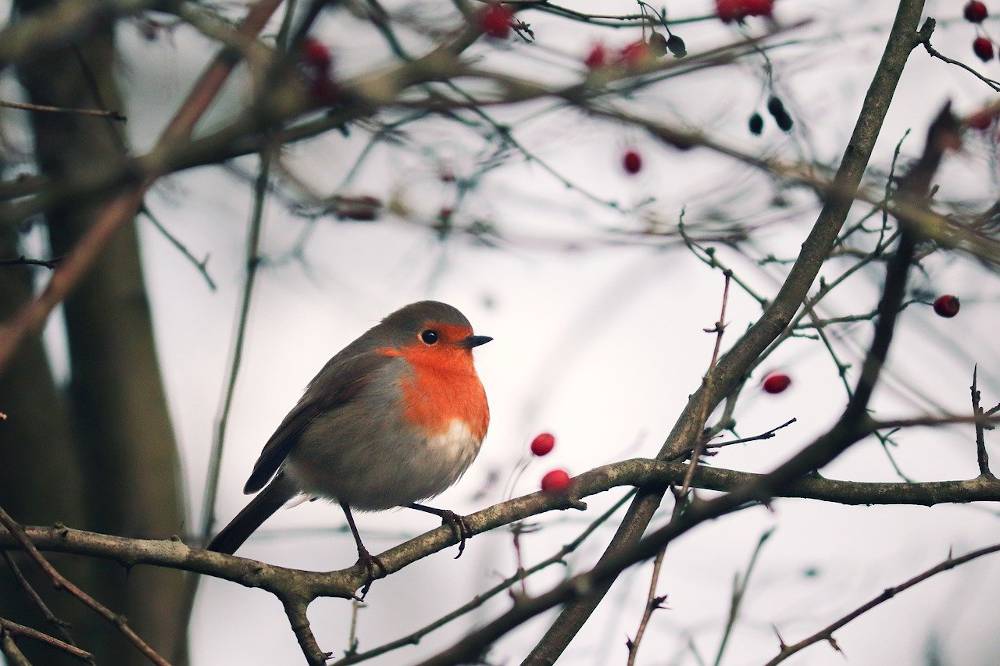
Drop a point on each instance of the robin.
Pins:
(395, 417)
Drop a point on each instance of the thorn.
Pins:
(781, 641)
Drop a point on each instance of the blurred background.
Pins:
(597, 307)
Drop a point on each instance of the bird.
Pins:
(395, 417)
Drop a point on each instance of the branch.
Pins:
(644, 473)
(826, 634)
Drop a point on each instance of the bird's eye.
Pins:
(429, 337)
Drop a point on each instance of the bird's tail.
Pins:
(280, 490)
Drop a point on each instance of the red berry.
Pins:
(776, 382)
(315, 54)
(737, 10)
(632, 162)
(975, 11)
(597, 58)
(947, 306)
(635, 54)
(543, 443)
(758, 7)
(983, 48)
(556, 481)
(495, 21)
(980, 120)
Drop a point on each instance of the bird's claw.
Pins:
(459, 526)
(369, 562)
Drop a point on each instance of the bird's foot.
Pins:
(459, 526)
(371, 563)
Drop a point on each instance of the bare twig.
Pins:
(826, 633)
(59, 625)
(982, 457)
(45, 108)
(201, 265)
(252, 264)
(16, 629)
(739, 591)
(653, 602)
(925, 38)
(61, 582)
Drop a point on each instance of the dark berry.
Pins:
(983, 48)
(632, 162)
(975, 11)
(677, 46)
(657, 45)
(756, 124)
(947, 306)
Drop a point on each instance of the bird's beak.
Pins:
(474, 341)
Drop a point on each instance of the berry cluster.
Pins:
(975, 12)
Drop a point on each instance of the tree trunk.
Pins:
(126, 443)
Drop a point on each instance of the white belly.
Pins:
(381, 477)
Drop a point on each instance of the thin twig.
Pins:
(719, 329)
(61, 582)
(982, 457)
(14, 628)
(45, 108)
(925, 38)
(739, 591)
(826, 633)
(653, 602)
(60, 625)
(252, 264)
(201, 265)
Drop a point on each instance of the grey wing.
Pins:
(339, 382)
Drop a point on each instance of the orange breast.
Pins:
(443, 387)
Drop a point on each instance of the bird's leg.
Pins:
(450, 518)
(364, 557)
